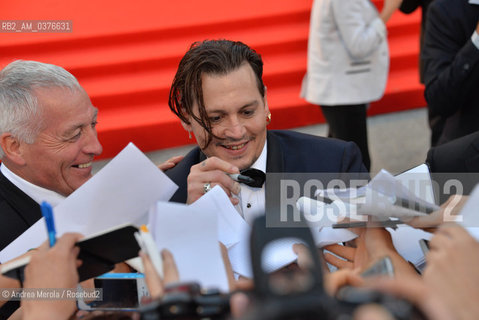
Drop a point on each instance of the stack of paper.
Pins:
(383, 197)
(404, 196)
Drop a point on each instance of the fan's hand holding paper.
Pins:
(98, 253)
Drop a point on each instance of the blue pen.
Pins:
(47, 213)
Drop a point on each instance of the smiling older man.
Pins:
(48, 141)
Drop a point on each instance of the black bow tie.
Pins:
(256, 177)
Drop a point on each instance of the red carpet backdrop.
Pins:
(125, 55)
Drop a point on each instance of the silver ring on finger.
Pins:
(206, 187)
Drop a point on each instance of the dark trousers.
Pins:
(348, 122)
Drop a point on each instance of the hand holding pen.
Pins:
(238, 177)
(210, 173)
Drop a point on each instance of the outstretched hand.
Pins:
(156, 285)
(54, 268)
(372, 244)
(448, 210)
(170, 163)
(451, 270)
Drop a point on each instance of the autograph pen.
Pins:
(364, 224)
(238, 177)
(47, 213)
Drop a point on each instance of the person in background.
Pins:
(451, 67)
(436, 123)
(348, 63)
(410, 6)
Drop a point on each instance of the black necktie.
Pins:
(258, 177)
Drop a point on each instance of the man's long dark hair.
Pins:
(213, 57)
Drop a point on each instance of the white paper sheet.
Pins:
(320, 214)
(421, 174)
(405, 238)
(121, 192)
(469, 215)
(232, 228)
(409, 185)
(234, 233)
(414, 184)
(377, 198)
(191, 235)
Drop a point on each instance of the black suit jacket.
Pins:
(455, 161)
(460, 155)
(288, 151)
(451, 67)
(409, 6)
(17, 212)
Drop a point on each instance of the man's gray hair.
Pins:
(19, 110)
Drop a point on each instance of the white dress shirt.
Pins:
(252, 200)
(38, 194)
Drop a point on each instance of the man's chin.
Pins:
(241, 163)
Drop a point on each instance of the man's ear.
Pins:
(186, 126)
(11, 146)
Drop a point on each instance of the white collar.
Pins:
(38, 194)
(260, 163)
(252, 200)
(473, 1)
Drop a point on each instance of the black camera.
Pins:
(187, 301)
(291, 293)
(299, 293)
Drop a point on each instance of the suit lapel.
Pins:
(179, 174)
(25, 206)
(201, 157)
(274, 157)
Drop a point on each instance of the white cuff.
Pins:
(380, 27)
(475, 39)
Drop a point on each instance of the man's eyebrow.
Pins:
(249, 104)
(75, 127)
(71, 130)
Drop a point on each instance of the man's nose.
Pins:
(92, 145)
(235, 129)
